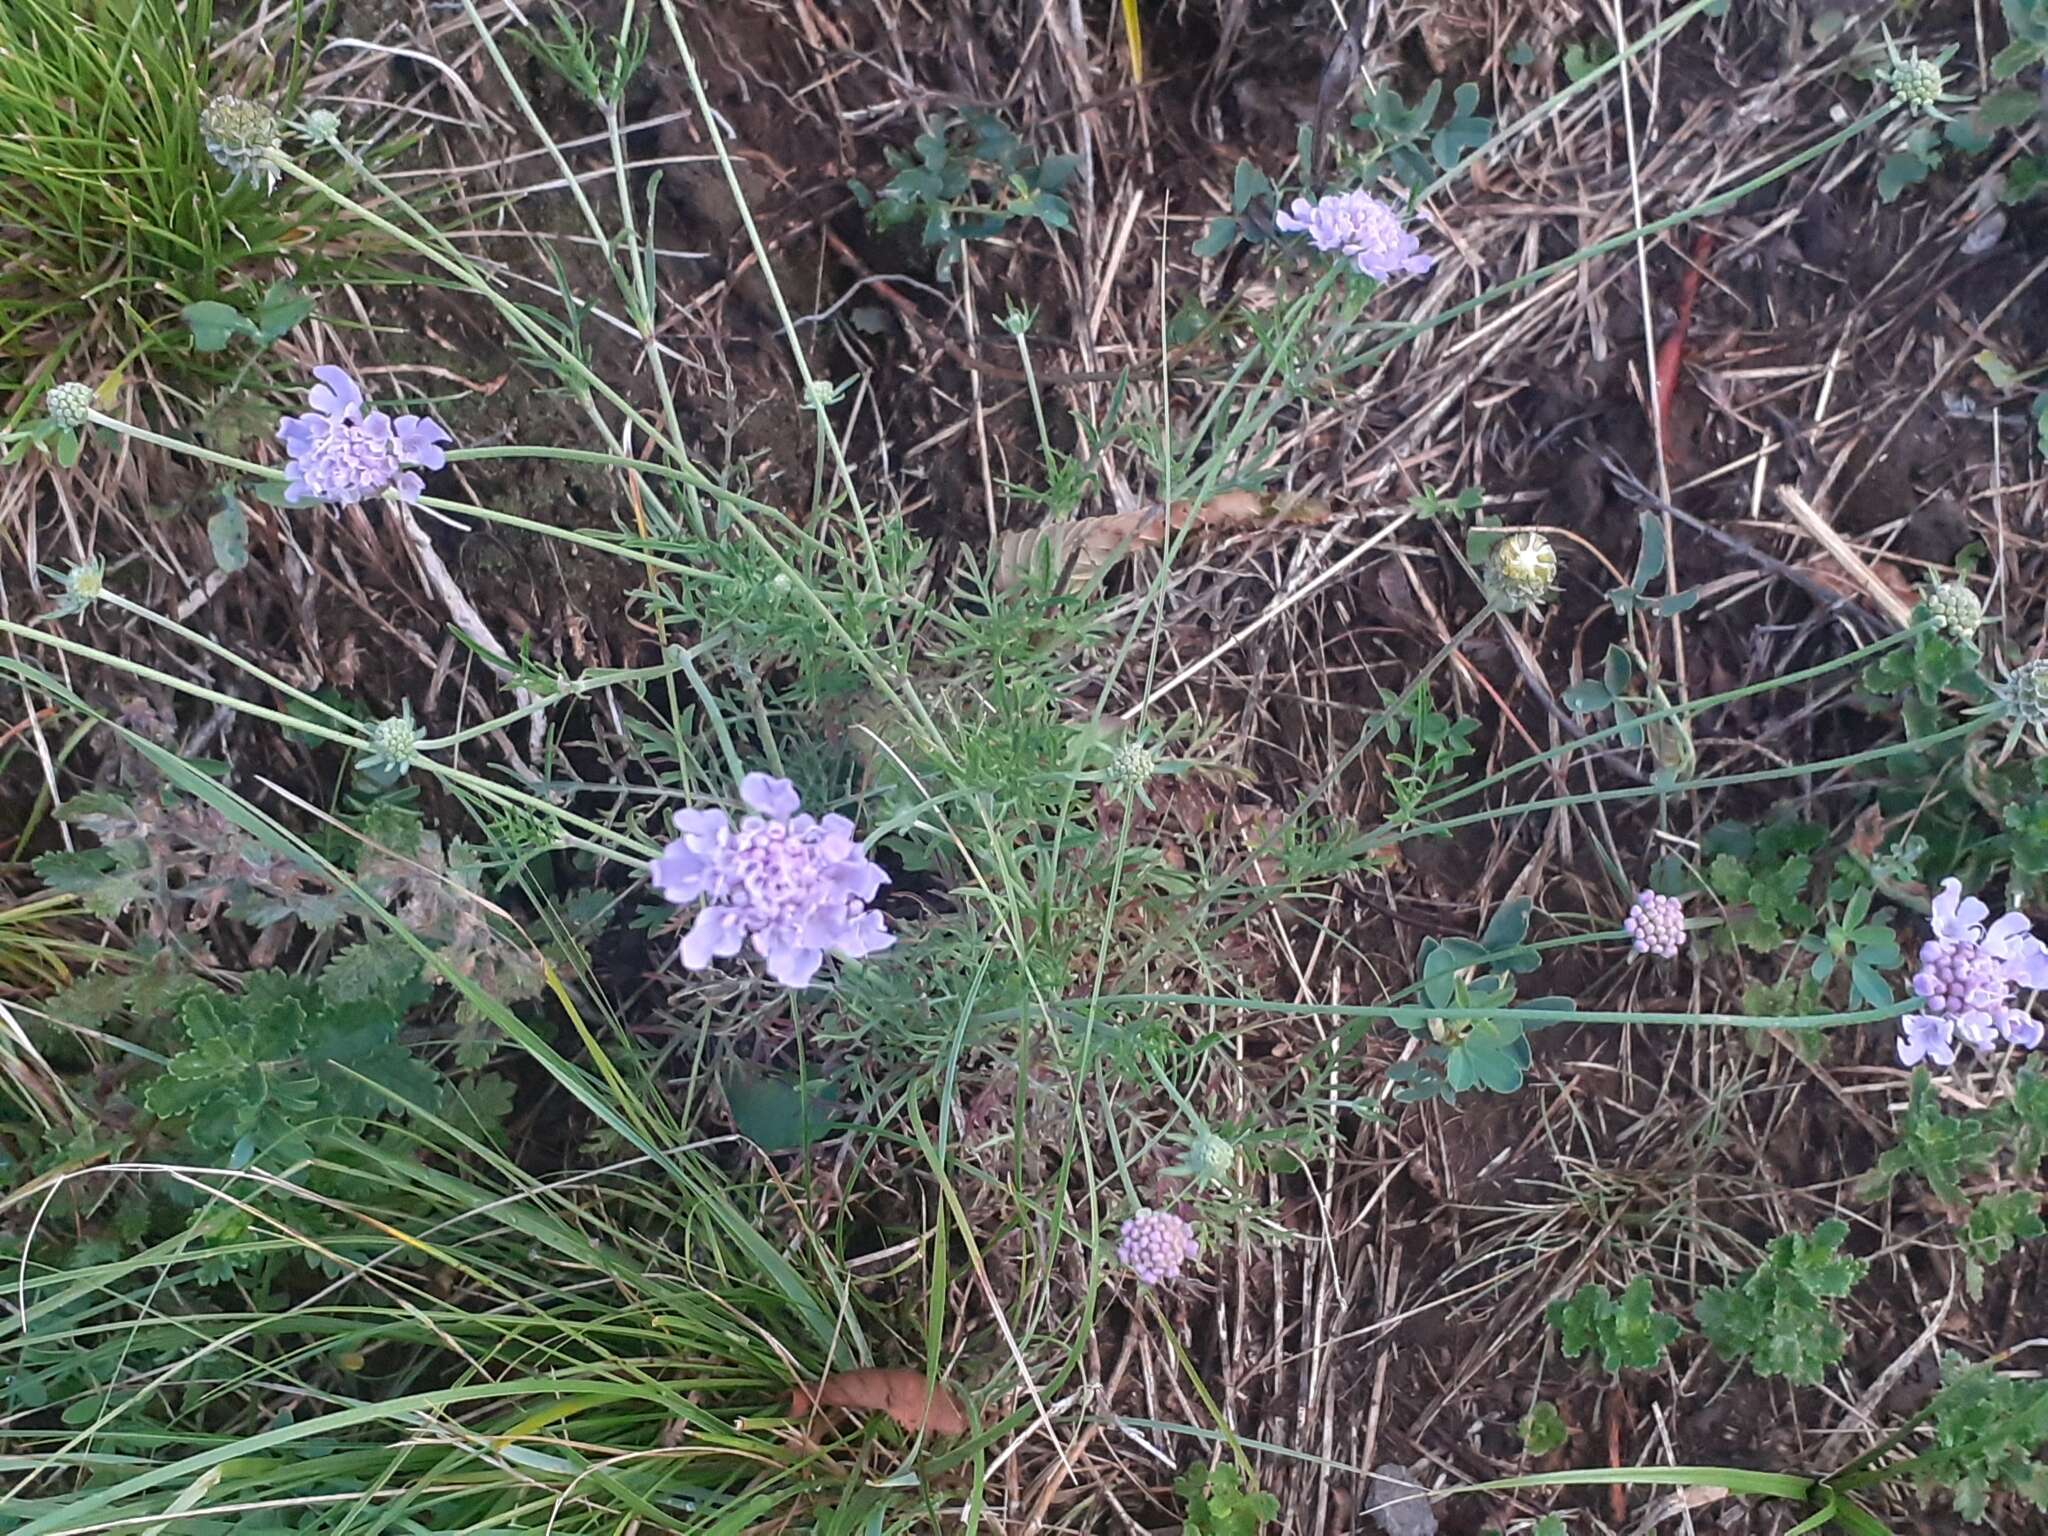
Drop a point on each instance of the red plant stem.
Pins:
(1671, 351)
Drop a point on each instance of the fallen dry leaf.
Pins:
(895, 1390)
(1079, 547)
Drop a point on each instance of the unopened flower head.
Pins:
(798, 886)
(1656, 925)
(1155, 1245)
(322, 125)
(1966, 980)
(341, 453)
(1211, 1158)
(83, 585)
(1919, 84)
(1520, 571)
(394, 743)
(241, 135)
(69, 404)
(1131, 767)
(1361, 228)
(1954, 610)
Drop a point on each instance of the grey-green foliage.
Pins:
(968, 177)
(1475, 1049)
(181, 865)
(1780, 1316)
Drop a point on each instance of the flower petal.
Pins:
(1925, 1039)
(793, 966)
(718, 932)
(769, 795)
(336, 394)
(1294, 219)
(2028, 964)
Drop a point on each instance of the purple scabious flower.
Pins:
(1656, 924)
(1155, 1244)
(1966, 978)
(1359, 226)
(340, 453)
(797, 885)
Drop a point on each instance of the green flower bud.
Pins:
(1917, 82)
(1211, 1159)
(1131, 767)
(241, 135)
(69, 404)
(394, 743)
(1954, 610)
(2025, 695)
(1520, 572)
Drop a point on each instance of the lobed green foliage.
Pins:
(1629, 1334)
(1780, 1317)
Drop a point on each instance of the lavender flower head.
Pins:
(797, 885)
(1656, 924)
(1966, 979)
(1155, 1244)
(1359, 226)
(341, 454)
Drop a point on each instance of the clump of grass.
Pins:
(113, 216)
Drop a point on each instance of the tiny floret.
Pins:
(799, 886)
(339, 453)
(241, 135)
(69, 404)
(1361, 228)
(1954, 610)
(1656, 925)
(1155, 1245)
(1520, 572)
(1966, 980)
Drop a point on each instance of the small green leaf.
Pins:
(1902, 169)
(228, 532)
(1618, 670)
(283, 307)
(1650, 555)
(1508, 926)
(1543, 1429)
(213, 325)
(1222, 233)
(1247, 185)
(2013, 58)
(2001, 373)
(774, 1112)
(2008, 109)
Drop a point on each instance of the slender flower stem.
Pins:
(214, 648)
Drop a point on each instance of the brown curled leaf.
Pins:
(1080, 547)
(898, 1391)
